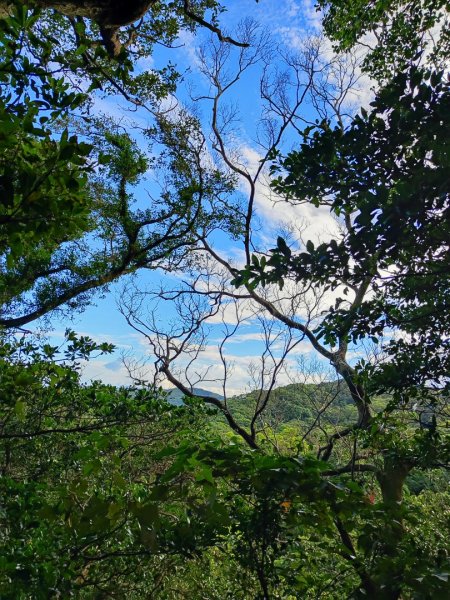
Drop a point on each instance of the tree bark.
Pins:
(109, 15)
(392, 480)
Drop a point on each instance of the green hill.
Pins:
(295, 402)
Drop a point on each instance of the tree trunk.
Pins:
(391, 480)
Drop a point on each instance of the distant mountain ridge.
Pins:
(299, 402)
(175, 396)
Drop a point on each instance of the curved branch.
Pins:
(351, 469)
(325, 451)
(197, 19)
(132, 260)
(211, 400)
(271, 309)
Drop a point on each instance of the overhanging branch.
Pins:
(200, 21)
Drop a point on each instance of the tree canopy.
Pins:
(64, 189)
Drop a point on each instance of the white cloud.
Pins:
(317, 223)
(232, 313)
(311, 16)
(293, 8)
(240, 338)
(145, 64)
(108, 371)
(244, 372)
(189, 50)
(209, 371)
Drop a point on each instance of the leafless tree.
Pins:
(312, 81)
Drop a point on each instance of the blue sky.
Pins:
(288, 22)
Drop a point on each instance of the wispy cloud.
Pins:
(317, 223)
(107, 371)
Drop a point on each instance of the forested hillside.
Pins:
(258, 193)
(296, 402)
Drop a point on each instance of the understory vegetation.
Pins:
(313, 462)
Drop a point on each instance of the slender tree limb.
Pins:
(210, 400)
(200, 21)
(352, 556)
(351, 469)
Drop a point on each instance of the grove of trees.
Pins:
(329, 477)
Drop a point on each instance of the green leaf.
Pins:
(20, 408)
(147, 514)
